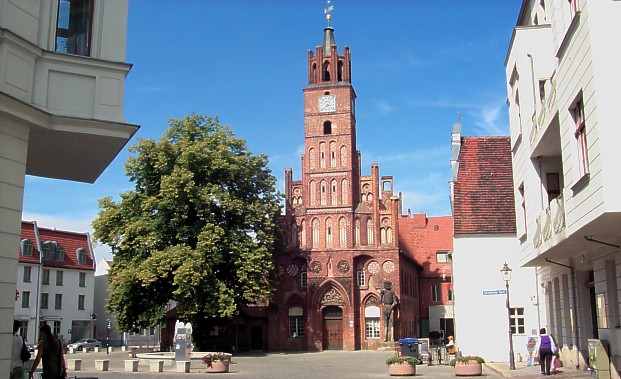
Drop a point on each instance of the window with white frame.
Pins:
(82, 279)
(444, 257)
(45, 279)
(56, 328)
(577, 113)
(360, 278)
(26, 247)
(45, 299)
(302, 279)
(517, 321)
(296, 322)
(371, 322)
(27, 274)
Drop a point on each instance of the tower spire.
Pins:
(328, 31)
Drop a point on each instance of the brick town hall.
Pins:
(345, 238)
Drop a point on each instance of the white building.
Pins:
(64, 286)
(484, 240)
(562, 70)
(62, 74)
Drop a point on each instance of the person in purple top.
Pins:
(547, 348)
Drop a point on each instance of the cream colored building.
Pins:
(563, 79)
(62, 74)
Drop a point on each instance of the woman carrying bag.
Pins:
(547, 349)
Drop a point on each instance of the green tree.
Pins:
(199, 228)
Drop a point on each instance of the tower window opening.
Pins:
(326, 93)
(314, 73)
(339, 71)
(327, 127)
(326, 71)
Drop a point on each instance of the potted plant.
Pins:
(469, 366)
(401, 366)
(217, 362)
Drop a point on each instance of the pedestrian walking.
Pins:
(19, 354)
(50, 351)
(546, 348)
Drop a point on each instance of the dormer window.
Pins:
(26, 248)
(53, 251)
(81, 255)
(74, 27)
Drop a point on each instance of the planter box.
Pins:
(472, 368)
(74, 364)
(219, 366)
(131, 365)
(401, 369)
(183, 366)
(102, 364)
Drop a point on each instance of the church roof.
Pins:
(483, 201)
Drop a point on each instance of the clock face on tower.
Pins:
(327, 103)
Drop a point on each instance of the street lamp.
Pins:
(506, 276)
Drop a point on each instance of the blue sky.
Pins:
(415, 65)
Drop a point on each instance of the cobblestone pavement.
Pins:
(338, 365)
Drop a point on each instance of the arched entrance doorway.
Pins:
(332, 328)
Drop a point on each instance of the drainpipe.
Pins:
(537, 294)
(39, 273)
(572, 271)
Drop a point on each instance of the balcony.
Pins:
(548, 109)
(550, 225)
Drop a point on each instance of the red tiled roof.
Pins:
(483, 194)
(419, 238)
(69, 241)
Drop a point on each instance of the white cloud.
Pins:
(79, 224)
(385, 107)
(425, 155)
(488, 119)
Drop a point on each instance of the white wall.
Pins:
(481, 321)
(70, 291)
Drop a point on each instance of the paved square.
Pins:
(328, 364)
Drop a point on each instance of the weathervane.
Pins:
(327, 11)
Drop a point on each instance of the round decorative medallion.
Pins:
(292, 269)
(373, 267)
(343, 266)
(315, 267)
(297, 191)
(388, 267)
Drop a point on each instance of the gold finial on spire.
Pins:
(327, 11)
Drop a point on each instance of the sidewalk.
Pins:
(523, 372)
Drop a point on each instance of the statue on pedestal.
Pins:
(389, 301)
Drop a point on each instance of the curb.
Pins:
(496, 370)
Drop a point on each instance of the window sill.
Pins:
(580, 183)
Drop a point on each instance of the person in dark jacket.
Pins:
(50, 350)
(547, 348)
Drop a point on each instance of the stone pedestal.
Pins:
(131, 365)
(102, 364)
(183, 366)
(156, 365)
(74, 364)
(96, 349)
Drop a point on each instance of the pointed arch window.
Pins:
(324, 193)
(383, 239)
(332, 154)
(343, 232)
(316, 233)
(370, 229)
(344, 191)
(357, 232)
(343, 156)
(339, 72)
(312, 158)
(322, 154)
(389, 235)
(314, 73)
(327, 127)
(326, 71)
(329, 234)
(313, 193)
(333, 193)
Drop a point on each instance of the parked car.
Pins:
(85, 344)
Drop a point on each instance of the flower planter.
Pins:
(219, 366)
(472, 368)
(401, 369)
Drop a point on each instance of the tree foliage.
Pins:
(199, 228)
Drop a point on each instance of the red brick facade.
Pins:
(341, 228)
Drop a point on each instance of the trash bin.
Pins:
(409, 347)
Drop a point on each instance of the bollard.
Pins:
(102, 364)
(74, 364)
(96, 349)
(131, 365)
(109, 348)
(123, 348)
(183, 366)
(156, 365)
